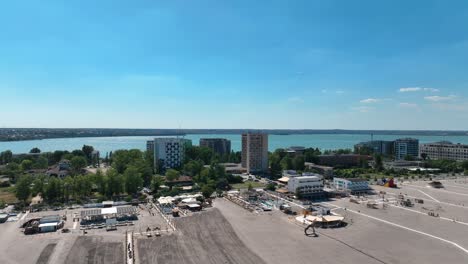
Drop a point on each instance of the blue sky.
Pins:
(234, 64)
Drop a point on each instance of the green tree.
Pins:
(13, 166)
(133, 180)
(424, 156)
(99, 179)
(204, 176)
(235, 157)
(142, 166)
(275, 165)
(149, 158)
(199, 153)
(464, 165)
(250, 187)
(35, 151)
(298, 163)
(286, 163)
(271, 187)
(41, 163)
(57, 156)
(207, 191)
(88, 150)
(82, 186)
(38, 185)
(26, 164)
(172, 175)
(192, 168)
(69, 188)
(78, 152)
(114, 183)
(378, 162)
(78, 163)
(6, 157)
(23, 188)
(311, 155)
(53, 190)
(156, 183)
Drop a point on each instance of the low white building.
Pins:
(353, 185)
(307, 186)
(289, 174)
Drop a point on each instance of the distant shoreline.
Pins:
(24, 134)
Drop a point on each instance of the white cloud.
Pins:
(437, 98)
(370, 101)
(339, 92)
(408, 105)
(417, 89)
(295, 100)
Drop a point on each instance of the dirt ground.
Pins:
(45, 255)
(93, 250)
(203, 238)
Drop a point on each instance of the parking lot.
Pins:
(389, 234)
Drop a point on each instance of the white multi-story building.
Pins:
(353, 185)
(307, 186)
(255, 152)
(444, 150)
(169, 152)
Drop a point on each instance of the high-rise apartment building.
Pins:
(377, 146)
(219, 146)
(255, 152)
(444, 150)
(169, 152)
(406, 147)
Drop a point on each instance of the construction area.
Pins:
(418, 222)
(78, 235)
(202, 238)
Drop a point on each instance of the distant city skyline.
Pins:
(386, 65)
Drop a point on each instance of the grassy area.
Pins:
(7, 195)
(245, 185)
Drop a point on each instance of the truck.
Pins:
(407, 203)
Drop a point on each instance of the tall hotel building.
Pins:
(255, 152)
(168, 152)
(219, 146)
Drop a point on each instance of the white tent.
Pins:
(189, 200)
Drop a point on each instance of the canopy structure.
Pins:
(166, 200)
(320, 219)
(108, 211)
(189, 200)
(48, 225)
(284, 179)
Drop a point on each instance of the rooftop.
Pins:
(353, 179)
